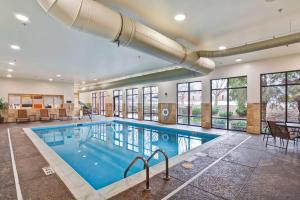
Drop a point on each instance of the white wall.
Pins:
(24, 86)
(252, 70)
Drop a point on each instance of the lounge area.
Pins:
(107, 100)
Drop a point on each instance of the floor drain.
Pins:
(187, 165)
(48, 170)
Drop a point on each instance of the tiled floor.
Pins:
(250, 171)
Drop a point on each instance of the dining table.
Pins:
(289, 125)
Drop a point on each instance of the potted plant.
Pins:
(3, 107)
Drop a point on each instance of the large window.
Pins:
(280, 97)
(150, 103)
(118, 103)
(94, 103)
(189, 97)
(132, 96)
(229, 103)
(102, 103)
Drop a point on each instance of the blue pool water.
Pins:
(100, 152)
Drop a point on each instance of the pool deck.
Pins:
(237, 167)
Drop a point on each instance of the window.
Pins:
(118, 103)
(102, 103)
(280, 97)
(229, 103)
(189, 97)
(94, 103)
(150, 103)
(132, 96)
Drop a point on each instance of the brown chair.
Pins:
(22, 116)
(282, 132)
(44, 115)
(62, 114)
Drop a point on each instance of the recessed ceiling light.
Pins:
(50, 79)
(15, 47)
(22, 18)
(180, 17)
(8, 75)
(58, 75)
(10, 70)
(238, 60)
(222, 47)
(12, 63)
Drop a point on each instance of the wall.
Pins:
(24, 86)
(252, 70)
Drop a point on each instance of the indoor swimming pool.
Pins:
(100, 152)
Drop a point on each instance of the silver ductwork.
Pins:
(165, 74)
(257, 46)
(93, 17)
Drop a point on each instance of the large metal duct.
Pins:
(257, 46)
(92, 17)
(165, 74)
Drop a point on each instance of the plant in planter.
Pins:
(196, 111)
(224, 114)
(241, 110)
(3, 107)
(239, 125)
(215, 110)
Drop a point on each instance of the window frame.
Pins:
(120, 99)
(151, 103)
(227, 88)
(102, 106)
(189, 102)
(285, 85)
(132, 95)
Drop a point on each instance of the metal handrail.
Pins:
(166, 158)
(145, 166)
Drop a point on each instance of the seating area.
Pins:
(285, 132)
(42, 115)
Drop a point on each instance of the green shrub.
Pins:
(219, 121)
(196, 111)
(224, 114)
(241, 110)
(215, 110)
(238, 125)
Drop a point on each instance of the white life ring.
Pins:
(165, 137)
(165, 112)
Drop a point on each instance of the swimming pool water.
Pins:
(101, 152)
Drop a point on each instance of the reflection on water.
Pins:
(139, 140)
(101, 152)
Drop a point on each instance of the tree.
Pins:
(218, 84)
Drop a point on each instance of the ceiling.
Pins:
(50, 48)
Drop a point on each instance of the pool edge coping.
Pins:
(81, 189)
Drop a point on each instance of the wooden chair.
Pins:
(62, 114)
(22, 116)
(44, 115)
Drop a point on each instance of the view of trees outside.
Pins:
(280, 97)
(189, 97)
(132, 96)
(118, 103)
(229, 103)
(102, 103)
(150, 98)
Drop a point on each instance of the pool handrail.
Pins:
(166, 158)
(145, 166)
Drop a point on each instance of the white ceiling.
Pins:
(50, 48)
